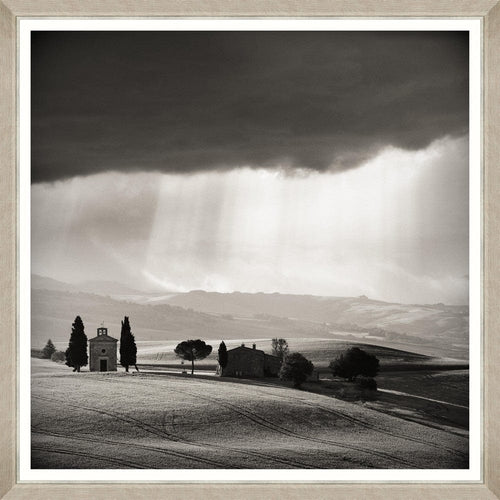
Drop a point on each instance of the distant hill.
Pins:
(97, 287)
(344, 313)
(112, 289)
(43, 283)
(106, 288)
(433, 329)
(52, 313)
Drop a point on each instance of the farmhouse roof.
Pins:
(245, 348)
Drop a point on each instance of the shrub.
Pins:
(36, 353)
(297, 368)
(58, 356)
(354, 362)
(367, 383)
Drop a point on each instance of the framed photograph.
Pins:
(250, 252)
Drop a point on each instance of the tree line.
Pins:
(295, 367)
(349, 365)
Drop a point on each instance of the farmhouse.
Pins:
(102, 352)
(245, 362)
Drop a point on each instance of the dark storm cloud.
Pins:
(189, 101)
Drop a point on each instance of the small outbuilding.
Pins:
(245, 362)
(103, 349)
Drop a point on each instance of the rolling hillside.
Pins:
(53, 313)
(347, 312)
(171, 422)
(435, 330)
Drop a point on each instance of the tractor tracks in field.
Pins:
(263, 422)
(372, 427)
(60, 451)
(117, 416)
(285, 461)
(162, 433)
(155, 449)
(136, 423)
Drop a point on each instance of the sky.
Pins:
(325, 163)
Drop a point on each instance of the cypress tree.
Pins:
(222, 355)
(76, 353)
(128, 349)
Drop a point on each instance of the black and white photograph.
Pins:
(250, 249)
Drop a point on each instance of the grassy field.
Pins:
(437, 399)
(146, 420)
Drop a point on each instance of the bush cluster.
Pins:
(296, 367)
(354, 362)
(58, 356)
(367, 383)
